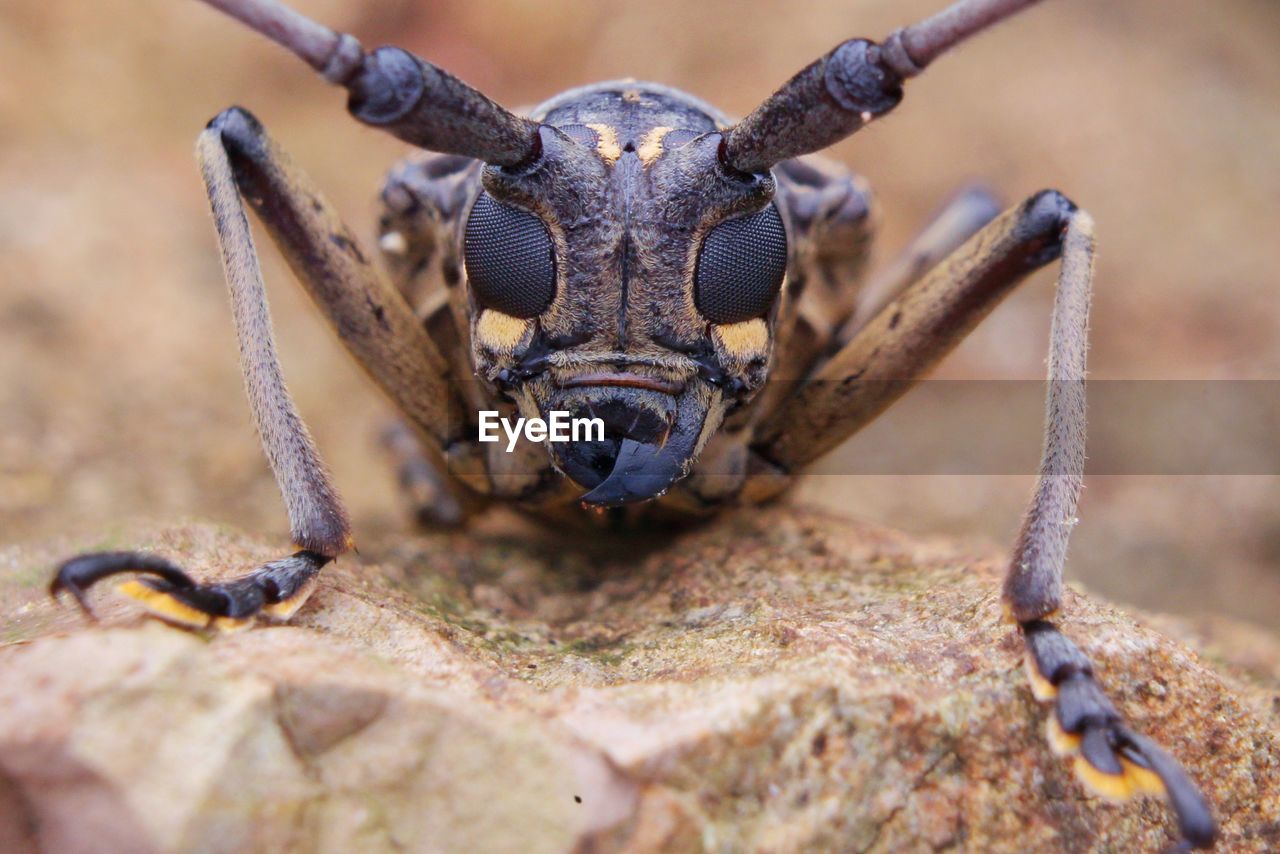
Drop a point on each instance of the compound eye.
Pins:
(740, 267)
(510, 259)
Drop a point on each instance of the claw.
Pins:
(1117, 763)
(276, 589)
(78, 574)
(1195, 819)
(1111, 760)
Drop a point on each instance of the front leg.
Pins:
(891, 353)
(236, 158)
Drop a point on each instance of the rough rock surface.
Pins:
(778, 681)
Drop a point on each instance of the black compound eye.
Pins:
(740, 267)
(511, 263)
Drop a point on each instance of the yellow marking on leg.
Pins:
(651, 146)
(1113, 787)
(1061, 742)
(743, 341)
(1134, 780)
(231, 624)
(1042, 689)
(500, 332)
(164, 605)
(1143, 780)
(286, 608)
(606, 143)
(1006, 609)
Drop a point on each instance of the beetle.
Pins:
(626, 254)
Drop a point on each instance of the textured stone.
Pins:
(779, 680)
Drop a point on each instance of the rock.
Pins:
(779, 680)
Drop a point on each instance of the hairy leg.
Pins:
(238, 161)
(892, 352)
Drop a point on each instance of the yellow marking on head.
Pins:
(1042, 689)
(164, 605)
(745, 341)
(651, 146)
(500, 332)
(607, 143)
(286, 608)
(1061, 742)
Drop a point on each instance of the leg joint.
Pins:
(1042, 224)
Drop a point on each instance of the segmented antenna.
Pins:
(909, 50)
(334, 55)
(852, 85)
(396, 91)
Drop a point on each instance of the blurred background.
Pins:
(120, 397)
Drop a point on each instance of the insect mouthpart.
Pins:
(651, 428)
(623, 379)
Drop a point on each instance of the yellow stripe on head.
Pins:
(743, 341)
(651, 146)
(500, 332)
(606, 143)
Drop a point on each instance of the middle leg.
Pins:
(948, 229)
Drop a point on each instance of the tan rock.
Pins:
(777, 681)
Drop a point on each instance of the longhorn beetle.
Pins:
(627, 253)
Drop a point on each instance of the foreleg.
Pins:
(373, 321)
(892, 352)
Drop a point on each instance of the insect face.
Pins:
(627, 274)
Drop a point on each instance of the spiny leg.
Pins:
(892, 352)
(371, 318)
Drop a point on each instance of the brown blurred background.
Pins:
(119, 391)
